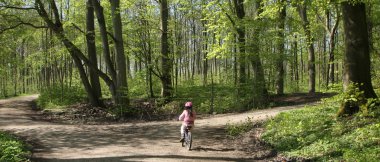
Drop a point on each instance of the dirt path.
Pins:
(151, 141)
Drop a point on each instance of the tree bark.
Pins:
(91, 49)
(106, 49)
(122, 85)
(356, 58)
(205, 53)
(281, 49)
(260, 90)
(166, 61)
(240, 13)
(310, 44)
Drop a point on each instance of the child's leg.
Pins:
(182, 130)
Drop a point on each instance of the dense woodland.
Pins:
(125, 56)
(232, 51)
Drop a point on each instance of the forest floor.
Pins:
(56, 140)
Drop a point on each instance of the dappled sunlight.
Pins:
(150, 141)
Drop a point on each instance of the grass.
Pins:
(12, 149)
(316, 133)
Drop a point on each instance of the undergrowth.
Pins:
(57, 96)
(316, 133)
(12, 149)
(217, 98)
(236, 129)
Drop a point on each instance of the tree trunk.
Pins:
(150, 68)
(310, 45)
(356, 58)
(370, 26)
(122, 85)
(205, 59)
(332, 37)
(15, 75)
(166, 61)
(106, 49)
(91, 49)
(296, 66)
(281, 49)
(23, 70)
(260, 92)
(239, 9)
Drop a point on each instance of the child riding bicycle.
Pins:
(188, 117)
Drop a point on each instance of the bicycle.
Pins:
(188, 139)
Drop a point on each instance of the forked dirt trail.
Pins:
(150, 141)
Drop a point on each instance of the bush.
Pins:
(12, 150)
(353, 100)
(56, 96)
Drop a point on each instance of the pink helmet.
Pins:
(188, 104)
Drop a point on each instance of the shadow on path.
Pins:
(146, 157)
(153, 141)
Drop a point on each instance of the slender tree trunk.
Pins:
(15, 75)
(296, 66)
(147, 46)
(332, 36)
(310, 46)
(150, 53)
(23, 72)
(205, 59)
(105, 45)
(281, 50)
(235, 63)
(193, 35)
(91, 49)
(260, 91)
(122, 85)
(166, 61)
(239, 9)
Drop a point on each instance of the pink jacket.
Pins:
(187, 119)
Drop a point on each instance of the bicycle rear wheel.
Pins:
(184, 141)
(189, 141)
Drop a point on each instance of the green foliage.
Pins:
(372, 108)
(201, 96)
(316, 134)
(236, 129)
(138, 86)
(12, 150)
(354, 100)
(56, 96)
(335, 88)
(354, 95)
(364, 144)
